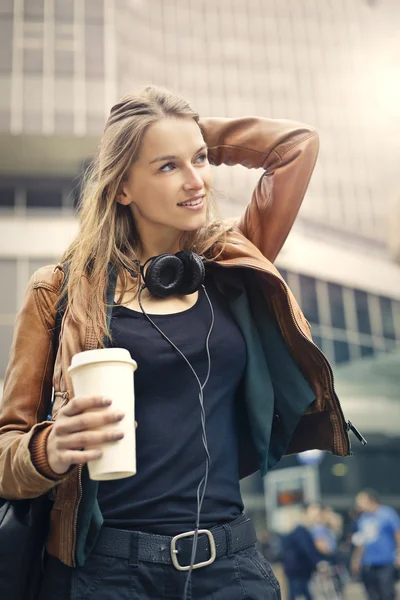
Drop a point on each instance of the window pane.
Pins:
(94, 50)
(5, 120)
(8, 277)
(336, 305)
(309, 303)
(364, 324)
(341, 351)
(64, 62)
(33, 8)
(63, 11)
(6, 334)
(387, 317)
(390, 345)
(6, 31)
(94, 10)
(36, 198)
(7, 197)
(6, 7)
(367, 351)
(33, 60)
(5, 84)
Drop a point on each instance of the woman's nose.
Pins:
(193, 181)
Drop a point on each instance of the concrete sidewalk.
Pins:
(355, 591)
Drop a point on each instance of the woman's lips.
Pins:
(194, 204)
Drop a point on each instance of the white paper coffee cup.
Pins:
(109, 372)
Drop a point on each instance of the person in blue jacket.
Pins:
(377, 542)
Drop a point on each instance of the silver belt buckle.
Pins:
(174, 551)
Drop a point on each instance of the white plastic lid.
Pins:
(102, 355)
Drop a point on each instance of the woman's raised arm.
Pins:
(287, 151)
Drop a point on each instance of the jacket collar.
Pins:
(240, 252)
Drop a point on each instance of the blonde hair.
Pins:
(107, 233)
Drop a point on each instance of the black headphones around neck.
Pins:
(165, 275)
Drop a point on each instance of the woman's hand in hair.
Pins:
(75, 433)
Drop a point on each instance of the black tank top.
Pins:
(161, 497)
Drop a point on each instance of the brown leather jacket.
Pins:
(287, 152)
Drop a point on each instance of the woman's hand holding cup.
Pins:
(77, 431)
(96, 374)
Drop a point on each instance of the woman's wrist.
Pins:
(39, 454)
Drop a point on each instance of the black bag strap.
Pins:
(110, 293)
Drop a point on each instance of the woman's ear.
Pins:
(123, 195)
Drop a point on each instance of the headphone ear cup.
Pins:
(164, 275)
(193, 274)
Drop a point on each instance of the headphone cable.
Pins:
(201, 489)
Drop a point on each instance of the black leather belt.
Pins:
(223, 540)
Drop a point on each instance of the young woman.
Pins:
(228, 377)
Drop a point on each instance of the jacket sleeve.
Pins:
(287, 151)
(24, 469)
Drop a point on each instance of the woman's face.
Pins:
(167, 187)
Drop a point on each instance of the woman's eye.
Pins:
(166, 168)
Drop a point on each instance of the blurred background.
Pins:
(334, 64)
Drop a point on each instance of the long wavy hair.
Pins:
(107, 233)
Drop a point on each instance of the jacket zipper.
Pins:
(356, 432)
(331, 378)
(347, 424)
(65, 396)
(332, 390)
(75, 522)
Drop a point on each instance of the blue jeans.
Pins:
(299, 587)
(379, 582)
(244, 575)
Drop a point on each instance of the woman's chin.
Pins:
(195, 223)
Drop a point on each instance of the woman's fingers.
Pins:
(79, 429)
(74, 457)
(86, 421)
(86, 439)
(78, 405)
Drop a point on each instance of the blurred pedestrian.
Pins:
(270, 545)
(323, 535)
(326, 530)
(377, 542)
(300, 556)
